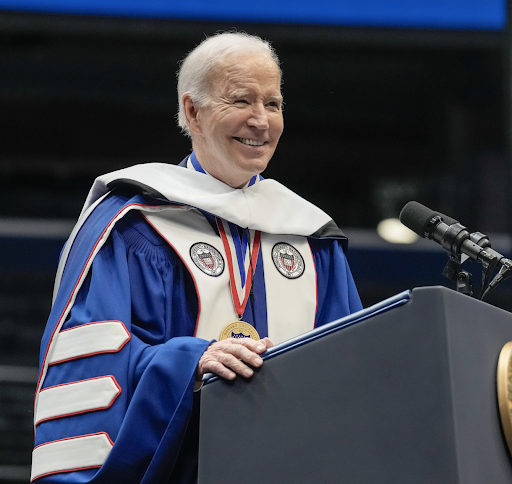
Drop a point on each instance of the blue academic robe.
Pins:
(138, 279)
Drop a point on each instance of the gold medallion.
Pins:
(504, 384)
(239, 329)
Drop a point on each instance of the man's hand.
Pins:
(226, 358)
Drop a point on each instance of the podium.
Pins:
(401, 393)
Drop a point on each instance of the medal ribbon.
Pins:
(240, 279)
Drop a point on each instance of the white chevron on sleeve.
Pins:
(76, 397)
(89, 339)
(73, 454)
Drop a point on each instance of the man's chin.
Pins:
(255, 167)
(255, 164)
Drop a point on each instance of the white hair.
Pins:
(195, 69)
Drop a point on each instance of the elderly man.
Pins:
(172, 272)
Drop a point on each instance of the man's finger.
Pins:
(251, 344)
(234, 364)
(267, 342)
(245, 354)
(213, 366)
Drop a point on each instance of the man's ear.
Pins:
(191, 114)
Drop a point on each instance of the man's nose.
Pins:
(259, 117)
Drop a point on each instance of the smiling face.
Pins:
(236, 134)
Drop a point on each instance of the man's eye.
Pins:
(274, 105)
(243, 101)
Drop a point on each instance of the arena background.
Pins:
(386, 102)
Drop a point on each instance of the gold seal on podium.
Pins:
(239, 329)
(504, 384)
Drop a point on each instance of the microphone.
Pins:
(451, 234)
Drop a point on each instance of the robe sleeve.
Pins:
(337, 295)
(138, 281)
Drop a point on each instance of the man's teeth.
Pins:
(251, 142)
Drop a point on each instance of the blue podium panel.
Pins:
(406, 395)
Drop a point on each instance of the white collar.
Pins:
(267, 206)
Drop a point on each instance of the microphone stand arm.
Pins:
(463, 279)
(451, 240)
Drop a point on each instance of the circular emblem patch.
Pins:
(288, 260)
(207, 258)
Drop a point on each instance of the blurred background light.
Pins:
(394, 231)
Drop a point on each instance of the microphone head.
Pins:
(421, 219)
